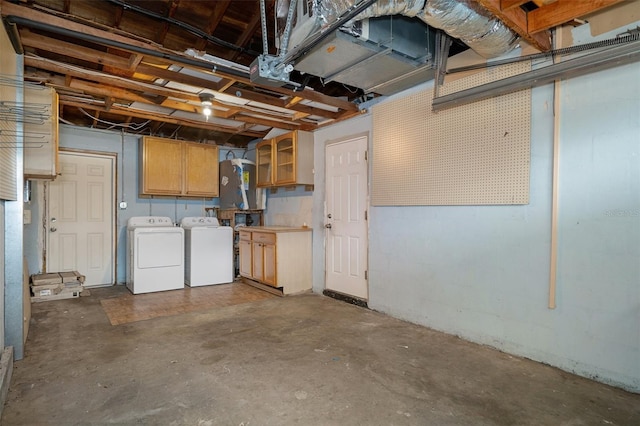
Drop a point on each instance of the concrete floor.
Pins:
(302, 360)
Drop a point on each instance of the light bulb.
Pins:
(206, 111)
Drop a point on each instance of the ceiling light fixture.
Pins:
(207, 101)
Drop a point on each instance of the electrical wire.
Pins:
(134, 126)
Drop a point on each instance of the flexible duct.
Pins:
(462, 19)
(465, 20)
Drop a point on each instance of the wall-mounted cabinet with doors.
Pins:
(176, 168)
(285, 160)
(40, 132)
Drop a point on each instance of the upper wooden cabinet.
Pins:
(40, 132)
(201, 170)
(285, 160)
(176, 168)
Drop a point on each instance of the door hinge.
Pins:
(366, 275)
(366, 215)
(366, 155)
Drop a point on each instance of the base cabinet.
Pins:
(277, 256)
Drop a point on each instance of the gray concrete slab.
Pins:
(288, 361)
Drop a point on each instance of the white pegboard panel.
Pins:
(468, 155)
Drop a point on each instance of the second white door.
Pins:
(346, 217)
(80, 218)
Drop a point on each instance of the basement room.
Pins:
(320, 212)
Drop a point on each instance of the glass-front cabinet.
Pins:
(285, 152)
(286, 160)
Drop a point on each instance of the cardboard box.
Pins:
(63, 294)
(56, 286)
(46, 279)
(72, 276)
(57, 278)
(47, 289)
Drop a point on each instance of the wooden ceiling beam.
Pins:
(119, 86)
(11, 9)
(165, 74)
(64, 100)
(117, 18)
(250, 30)
(563, 11)
(516, 19)
(60, 47)
(96, 117)
(102, 78)
(108, 101)
(220, 7)
(127, 96)
(541, 3)
(506, 5)
(101, 90)
(164, 29)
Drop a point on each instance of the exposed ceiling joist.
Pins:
(135, 61)
(563, 11)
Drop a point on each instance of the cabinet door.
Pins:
(269, 259)
(264, 163)
(162, 166)
(245, 258)
(40, 133)
(285, 159)
(201, 163)
(257, 261)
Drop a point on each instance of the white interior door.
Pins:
(80, 218)
(346, 217)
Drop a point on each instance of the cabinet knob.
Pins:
(328, 226)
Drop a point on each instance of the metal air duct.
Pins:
(385, 49)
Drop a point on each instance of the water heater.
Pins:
(238, 185)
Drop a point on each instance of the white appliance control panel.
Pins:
(192, 222)
(141, 221)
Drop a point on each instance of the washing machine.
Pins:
(208, 251)
(155, 259)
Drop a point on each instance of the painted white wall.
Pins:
(482, 272)
(289, 207)
(2, 283)
(79, 138)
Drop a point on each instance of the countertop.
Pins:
(276, 228)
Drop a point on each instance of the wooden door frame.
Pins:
(113, 156)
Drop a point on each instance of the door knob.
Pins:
(328, 226)
(52, 229)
